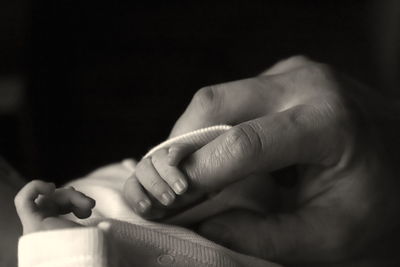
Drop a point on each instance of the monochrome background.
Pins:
(83, 84)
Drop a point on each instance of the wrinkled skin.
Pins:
(341, 206)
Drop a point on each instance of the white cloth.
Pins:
(116, 236)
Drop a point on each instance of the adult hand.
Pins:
(299, 113)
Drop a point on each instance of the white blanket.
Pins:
(115, 236)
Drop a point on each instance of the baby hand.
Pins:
(157, 183)
(39, 204)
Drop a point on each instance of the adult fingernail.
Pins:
(167, 198)
(180, 187)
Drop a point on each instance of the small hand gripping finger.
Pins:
(177, 152)
(153, 183)
(175, 179)
(135, 196)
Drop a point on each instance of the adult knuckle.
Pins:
(326, 126)
(298, 59)
(301, 116)
(244, 141)
(335, 111)
(334, 118)
(207, 99)
(315, 126)
(35, 183)
(318, 71)
(323, 68)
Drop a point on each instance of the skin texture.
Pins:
(157, 188)
(324, 133)
(39, 205)
(337, 183)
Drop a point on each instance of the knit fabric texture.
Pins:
(115, 236)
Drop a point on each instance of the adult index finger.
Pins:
(229, 103)
(294, 136)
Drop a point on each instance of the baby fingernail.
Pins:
(180, 187)
(167, 198)
(144, 205)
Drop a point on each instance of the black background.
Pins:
(107, 80)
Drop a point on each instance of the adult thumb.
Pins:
(294, 136)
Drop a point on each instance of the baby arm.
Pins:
(39, 204)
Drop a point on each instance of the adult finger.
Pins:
(288, 65)
(294, 136)
(229, 103)
(239, 101)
